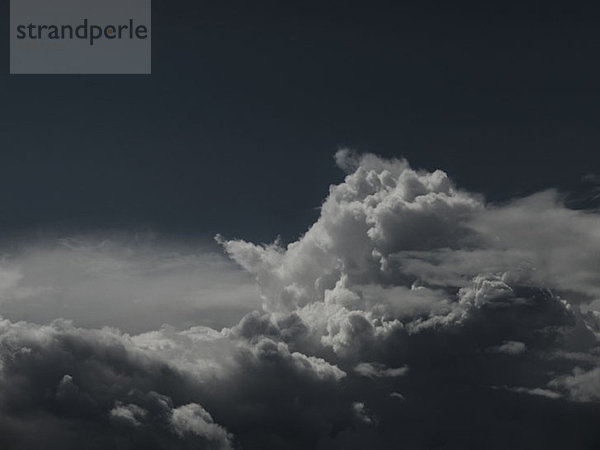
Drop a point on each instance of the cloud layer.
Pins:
(412, 314)
(132, 282)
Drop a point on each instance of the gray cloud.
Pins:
(130, 414)
(133, 285)
(404, 269)
(194, 419)
(510, 348)
(411, 314)
(582, 385)
(376, 370)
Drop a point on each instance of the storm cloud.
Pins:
(412, 314)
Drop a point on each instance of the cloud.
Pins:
(164, 386)
(129, 414)
(536, 391)
(510, 348)
(96, 382)
(194, 419)
(392, 322)
(516, 236)
(363, 414)
(582, 385)
(118, 281)
(397, 395)
(404, 269)
(375, 370)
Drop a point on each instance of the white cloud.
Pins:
(133, 286)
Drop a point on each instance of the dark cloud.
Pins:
(410, 315)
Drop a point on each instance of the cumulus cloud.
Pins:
(194, 419)
(130, 414)
(404, 269)
(169, 388)
(411, 314)
(78, 385)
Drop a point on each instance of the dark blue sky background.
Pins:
(235, 130)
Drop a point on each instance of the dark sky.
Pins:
(235, 130)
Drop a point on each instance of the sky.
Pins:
(245, 97)
(316, 225)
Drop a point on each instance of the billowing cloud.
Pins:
(404, 270)
(130, 414)
(412, 314)
(194, 419)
